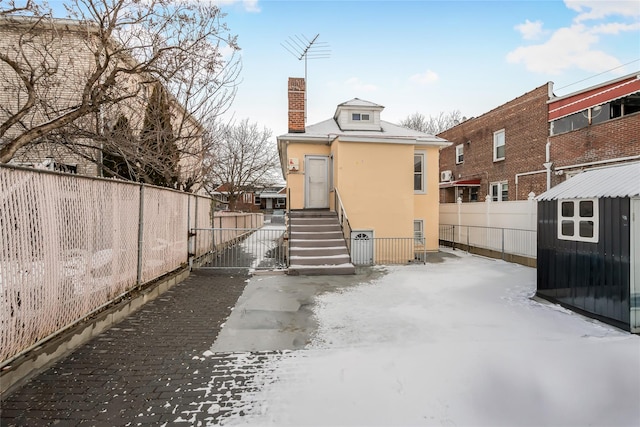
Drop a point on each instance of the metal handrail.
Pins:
(288, 222)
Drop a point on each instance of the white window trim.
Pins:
(500, 184)
(360, 119)
(459, 152)
(418, 238)
(495, 145)
(576, 221)
(424, 171)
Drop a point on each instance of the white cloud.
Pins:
(576, 45)
(567, 47)
(530, 30)
(425, 78)
(356, 84)
(615, 28)
(590, 9)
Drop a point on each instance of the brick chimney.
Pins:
(296, 104)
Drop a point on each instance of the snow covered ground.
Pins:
(459, 343)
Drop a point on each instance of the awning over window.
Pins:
(461, 183)
(591, 97)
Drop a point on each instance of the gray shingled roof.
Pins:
(329, 129)
(357, 102)
(614, 181)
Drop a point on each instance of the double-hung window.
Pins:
(578, 220)
(499, 191)
(459, 153)
(356, 117)
(498, 145)
(419, 172)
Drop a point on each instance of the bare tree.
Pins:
(111, 52)
(433, 124)
(14, 7)
(242, 159)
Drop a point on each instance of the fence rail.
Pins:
(387, 250)
(245, 248)
(501, 241)
(70, 245)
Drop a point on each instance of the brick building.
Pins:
(537, 140)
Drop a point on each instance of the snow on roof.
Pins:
(357, 102)
(615, 181)
(329, 130)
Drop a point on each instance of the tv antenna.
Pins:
(303, 48)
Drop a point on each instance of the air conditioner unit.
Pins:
(445, 176)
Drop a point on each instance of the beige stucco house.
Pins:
(385, 176)
(59, 55)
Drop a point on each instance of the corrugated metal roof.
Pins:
(614, 181)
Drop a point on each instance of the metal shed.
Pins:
(589, 244)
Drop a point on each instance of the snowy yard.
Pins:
(459, 343)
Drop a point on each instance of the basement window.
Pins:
(418, 232)
(578, 220)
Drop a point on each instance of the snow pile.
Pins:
(456, 343)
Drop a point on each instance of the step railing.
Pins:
(343, 219)
(287, 220)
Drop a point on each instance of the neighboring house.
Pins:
(244, 199)
(386, 176)
(537, 140)
(271, 198)
(589, 244)
(61, 56)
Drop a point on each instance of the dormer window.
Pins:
(360, 117)
(358, 114)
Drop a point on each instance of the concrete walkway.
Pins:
(275, 312)
(164, 366)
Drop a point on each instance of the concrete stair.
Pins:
(316, 244)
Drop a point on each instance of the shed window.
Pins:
(578, 220)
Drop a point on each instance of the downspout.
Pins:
(530, 173)
(548, 163)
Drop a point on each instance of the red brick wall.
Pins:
(296, 104)
(612, 139)
(524, 120)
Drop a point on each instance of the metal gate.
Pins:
(243, 248)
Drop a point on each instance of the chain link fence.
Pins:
(70, 245)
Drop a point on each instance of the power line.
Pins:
(599, 74)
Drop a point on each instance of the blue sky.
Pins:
(427, 56)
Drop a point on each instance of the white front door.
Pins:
(269, 203)
(362, 247)
(316, 182)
